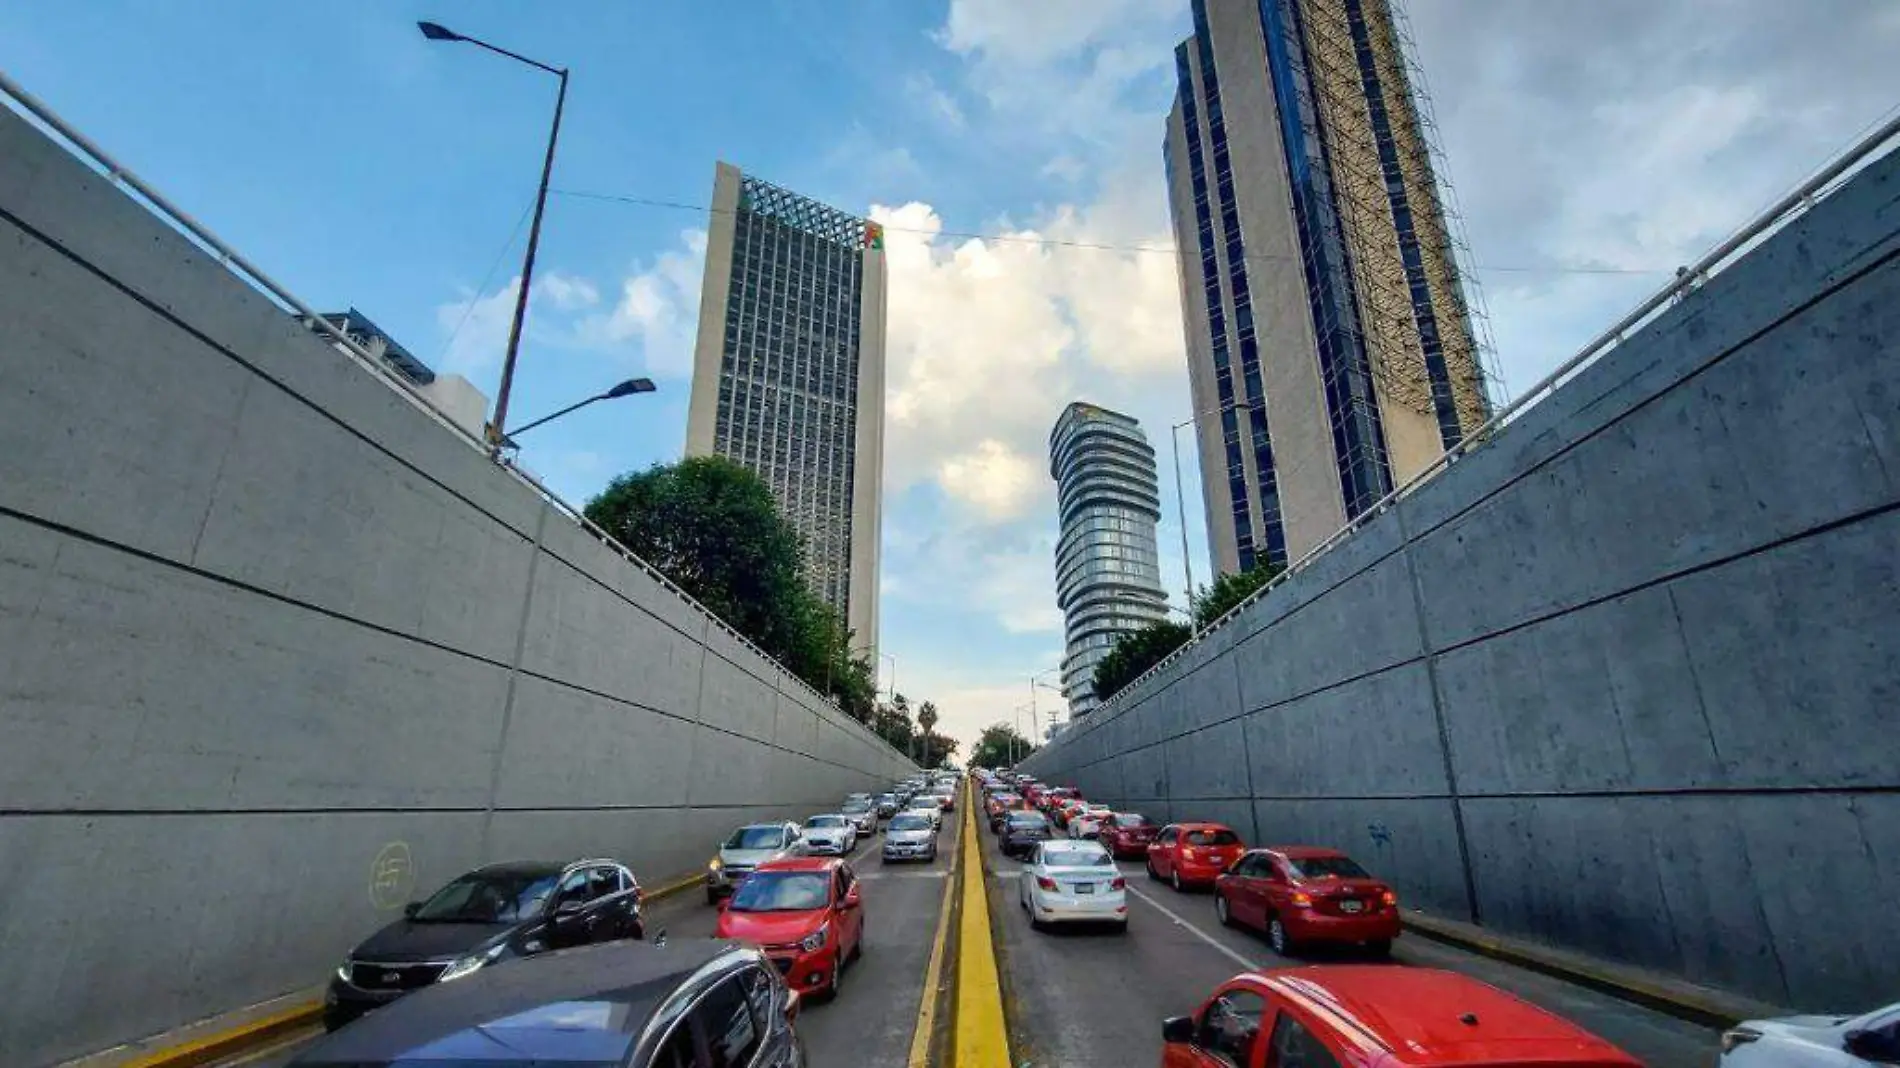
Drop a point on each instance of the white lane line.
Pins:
(1197, 932)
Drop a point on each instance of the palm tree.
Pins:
(927, 718)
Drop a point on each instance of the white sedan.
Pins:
(1088, 822)
(1073, 881)
(1815, 1041)
(830, 835)
(928, 807)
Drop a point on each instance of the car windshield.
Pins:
(910, 823)
(1079, 855)
(783, 891)
(825, 821)
(857, 806)
(1131, 819)
(1027, 820)
(1222, 837)
(488, 897)
(756, 838)
(1327, 868)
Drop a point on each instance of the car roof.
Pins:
(1417, 1016)
(779, 826)
(799, 864)
(528, 867)
(1203, 827)
(1304, 852)
(634, 977)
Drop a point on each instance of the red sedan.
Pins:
(1184, 853)
(1127, 834)
(1302, 894)
(1368, 1016)
(806, 913)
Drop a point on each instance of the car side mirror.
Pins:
(1177, 1030)
(851, 898)
(409, 911)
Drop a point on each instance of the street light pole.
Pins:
(498, 427)
(624, 389)
(1180, 506)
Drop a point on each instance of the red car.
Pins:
(1127, 834)
(1301, 894)
(1372, 1016)
(805, 912)
(1184, 853)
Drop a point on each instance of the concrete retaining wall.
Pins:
(262, 623)
(1624, 680)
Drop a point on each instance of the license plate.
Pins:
(1085, 888)
(1351, 906)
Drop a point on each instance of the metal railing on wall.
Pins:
(44, 118)
(1791, 206)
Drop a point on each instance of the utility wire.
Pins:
(701, 209)
(469, 308)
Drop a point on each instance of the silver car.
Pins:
(910, 837)
(747, 848)
(863, 816)
(830, 835)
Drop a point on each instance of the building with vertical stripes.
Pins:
(1108, 571)
(1330, 347)
(788, 375)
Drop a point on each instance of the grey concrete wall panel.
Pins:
(258, 621)
(1361, 739)
(1208, 763)
(1640, 639)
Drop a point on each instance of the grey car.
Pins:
(749, 847)
(910, 837)
(863, 816)
(886, 806)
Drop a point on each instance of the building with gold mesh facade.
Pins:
(1330, 346)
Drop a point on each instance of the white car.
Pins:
(1815, 1041)
(927, 806)
(1088, 822)
(831, 835)
(749, 847)
(1073, 881)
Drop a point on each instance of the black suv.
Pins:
(1022, 829)
(491, 914)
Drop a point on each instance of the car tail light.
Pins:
(1187, 854)
(1389, 899)
(1118, 883)
(1302, 899)
(1046, 883)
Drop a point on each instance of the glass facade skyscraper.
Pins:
(788, 375)
(1330, 347)
(1108, 575)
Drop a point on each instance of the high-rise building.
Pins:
(788, 375)
(1108, 575)
(1330, 347)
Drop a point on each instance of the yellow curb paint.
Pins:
(933, 978)
(672, 888)
(229, 1043)
(982, 1040)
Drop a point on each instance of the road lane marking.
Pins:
(933, 978)
(1196, 931)
(982, 1038)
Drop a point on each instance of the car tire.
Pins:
(1221, 910)
(1121, 928)
(1380, 948)
(1278, 938)
(712, 897)
(837, 977)
(1152, 873)
(1174, 879)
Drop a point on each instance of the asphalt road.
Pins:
(1095, 998)
(871, 1021)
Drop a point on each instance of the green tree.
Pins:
(1000, 746)
(1213, 602)
(714, 528)
(894, 726)
(1135, 652)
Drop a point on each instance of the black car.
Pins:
(1022, 829)
(490, 915)
(630, 1005)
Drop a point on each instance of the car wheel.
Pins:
(1277, 937)
(1220, 910)
(837, 976)
(1380, 948)
(1152, 873)
(1121, 928)
(1175, 881)
(712, 896)
(857, 948)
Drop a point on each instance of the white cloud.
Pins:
(658, 306)
(934, 100)
(477, 326)
(998, 481)
(567, 293)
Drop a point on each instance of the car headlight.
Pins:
(815, 941)
(470, 964)
(714, 864)
(343, 970)
(1738, 1036)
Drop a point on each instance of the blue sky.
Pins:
(359, 164)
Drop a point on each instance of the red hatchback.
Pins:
(805, 913)
(1300, 894)
(1184, 853)
(1127, 834)
(1371, 1016)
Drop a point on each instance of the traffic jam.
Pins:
(530, 963)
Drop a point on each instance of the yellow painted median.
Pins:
(982, 1036)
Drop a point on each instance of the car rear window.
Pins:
(1212, 838)
(1027, 819)
(910, 823)
(1131, 819)
(1328, 868)
(1080, 855)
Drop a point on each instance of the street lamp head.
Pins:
(435, 31)
(630, 387)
